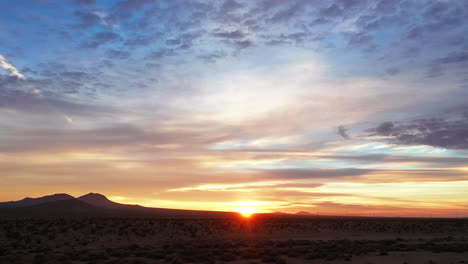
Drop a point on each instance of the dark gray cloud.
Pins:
(229, 6)
(435, 70)
(236, 38)
(384, 129)
(76, 76)
(126, 9)
(392, 71)
(332, 11)
(242, 44)
(53, 82)
(212, 57)
(449, 133)
(438, 161)
(100, 39)
(174, 28)
(138, 41)
(286, 13)
(36, 104)
(118, 54)
(84, 2)
(296, 38)
(87, 19)
(359, 39)
(161, 53)
(351, 3)
(453, 57)
(134, 4)
(236, 34)
(342, 131)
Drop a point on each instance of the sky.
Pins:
(347, 107)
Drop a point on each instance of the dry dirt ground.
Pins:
(263, 239)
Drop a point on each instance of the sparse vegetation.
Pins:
(135, 240)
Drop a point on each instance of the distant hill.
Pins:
(304, 213)
(35, 201)
(93, 205)
(100, 200)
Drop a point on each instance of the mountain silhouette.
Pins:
(304, 213)
(93, 205)
(100, 200)
(35, 201)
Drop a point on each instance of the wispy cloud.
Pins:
(6, 65)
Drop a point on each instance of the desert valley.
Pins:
(92, 229)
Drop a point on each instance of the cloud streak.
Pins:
(449, 132)
(7, 66)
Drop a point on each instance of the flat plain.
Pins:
(266, 238)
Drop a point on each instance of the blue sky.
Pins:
(278, 102)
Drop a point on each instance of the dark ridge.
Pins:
(35, 201)
(99, 200)
(97, 205)
(304, 213)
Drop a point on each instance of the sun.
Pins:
(246, 211)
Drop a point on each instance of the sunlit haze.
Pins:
(330, 107)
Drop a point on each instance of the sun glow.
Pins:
(246, 211)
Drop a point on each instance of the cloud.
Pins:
(236, 34)
(36, 103)
(342, 131)
(100, 39)
(134, 4)
(386, 209)
(229, 6)
(438, 66)
(449, 132)
(294, 173)
(6, 65)
(87, 19)
(243, 44)
(453, 57)
(118, 54)
(68, 119)
(84, 2)
(212, 57)
(392, 71)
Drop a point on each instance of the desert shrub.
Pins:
(301, 250)
(293, 254)
(155, 254)
(4, 252)
(280, 261)
(169, 258)
(228, 256)
(248, 254)
(177, 260)
(40, 259)
(269, 259)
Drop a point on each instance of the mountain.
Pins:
(62, 208)
(304, 213)
(35, 201)
(95, 205)
(100, 200)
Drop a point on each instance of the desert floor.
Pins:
(262, 239)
